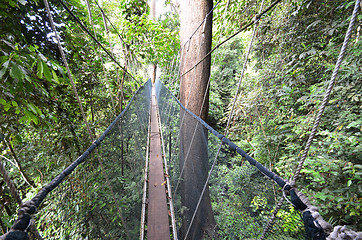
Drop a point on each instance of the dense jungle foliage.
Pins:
(293, 56)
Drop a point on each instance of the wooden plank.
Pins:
(158, 226)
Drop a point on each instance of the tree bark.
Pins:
(20, 168)
(153, 17)
(194, 94)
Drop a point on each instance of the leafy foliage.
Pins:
(294, 57)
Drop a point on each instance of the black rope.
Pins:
(95, 39)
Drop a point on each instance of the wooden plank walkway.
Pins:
(158, 226)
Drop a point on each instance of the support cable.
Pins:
(95, 39)
(328, 91)
(256, 24)
(201, 23)
(110, 22)
(320, 113)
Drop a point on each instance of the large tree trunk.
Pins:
(194, 95)
(153, 17)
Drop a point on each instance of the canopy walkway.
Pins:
(150, 140)
(157, 173)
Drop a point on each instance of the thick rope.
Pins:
(318, 118)
(328, 92)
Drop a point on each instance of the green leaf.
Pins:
(2, 101)
(349, 183)
(6, 221)
(16, 72)
(55, 77)
(46, 70)
(12, 3)
(40, 69)
(321, 195)
(31, 48)
(31, 117)
(2, 72)
(32, 108)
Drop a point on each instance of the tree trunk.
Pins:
(20, 168)
(194, 94)
(153, 17)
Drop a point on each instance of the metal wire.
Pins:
(233, 35)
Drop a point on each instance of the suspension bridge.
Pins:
(155, 173)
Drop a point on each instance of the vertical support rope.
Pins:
(99, 55)
(318, 118)
(66, 66)
(328, 92)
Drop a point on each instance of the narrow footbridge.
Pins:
(157, 172)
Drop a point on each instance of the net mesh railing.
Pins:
(241, 198)
(92, 201)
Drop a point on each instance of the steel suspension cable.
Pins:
(256, 20)
(319, 115)
(82, 111)
(191, 36)
(202, 22)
